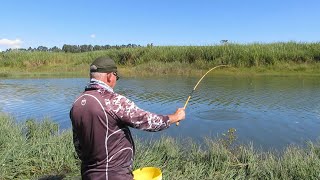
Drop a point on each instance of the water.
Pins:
(271, 112)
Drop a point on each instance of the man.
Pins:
(100, 120)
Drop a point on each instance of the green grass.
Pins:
(36, 149)
(32, 149)
(256, 58)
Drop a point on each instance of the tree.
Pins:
(66, 48)
(42, 48)
(224, 41)
(97, 48)
(86, 48)
(55, 49)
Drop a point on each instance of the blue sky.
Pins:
(163, 22)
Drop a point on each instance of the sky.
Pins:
(36, 23)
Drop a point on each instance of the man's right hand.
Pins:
(177, 116)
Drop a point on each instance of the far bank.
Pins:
(167, 69)
(287, 58)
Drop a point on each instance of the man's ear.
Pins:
(108, 76)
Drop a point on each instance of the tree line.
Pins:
(77, 48)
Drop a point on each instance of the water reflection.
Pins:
(269, 111)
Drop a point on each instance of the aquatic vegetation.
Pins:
(36, 149)
(278, 57)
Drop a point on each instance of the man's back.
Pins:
(104, 144)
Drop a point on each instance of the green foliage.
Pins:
(36, 149)
(229, 138)
(237, 55)
(45, 129)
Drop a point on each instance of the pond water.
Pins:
(269, 111)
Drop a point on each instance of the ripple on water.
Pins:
(220, 115)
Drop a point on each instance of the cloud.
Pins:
(11, 43)
(93, 36)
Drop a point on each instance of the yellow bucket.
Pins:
(147, 173)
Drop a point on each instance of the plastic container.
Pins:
(147, 173)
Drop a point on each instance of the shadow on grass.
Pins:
(58, 177)
(52, 177)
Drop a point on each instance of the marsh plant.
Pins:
(37, 150)
(279, 56)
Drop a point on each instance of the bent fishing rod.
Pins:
(195, 87)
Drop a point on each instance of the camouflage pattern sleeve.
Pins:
(133, 116)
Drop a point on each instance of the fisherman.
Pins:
(100, 122)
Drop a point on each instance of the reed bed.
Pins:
(291, 56)
(36, 149)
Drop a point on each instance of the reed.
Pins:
(288, 56)
(37, 149)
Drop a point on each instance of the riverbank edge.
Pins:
(167, 69)
(37, 149)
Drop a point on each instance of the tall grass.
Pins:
(34, 149)
(283, 55)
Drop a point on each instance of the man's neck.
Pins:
(106, 86)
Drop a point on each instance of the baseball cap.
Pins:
(103, 65)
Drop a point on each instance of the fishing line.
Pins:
(195, 87)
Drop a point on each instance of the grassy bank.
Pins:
(38, 150)
(273, 58)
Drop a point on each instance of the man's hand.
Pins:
(177, 116)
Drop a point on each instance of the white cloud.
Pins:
(10, 43)
(93, 36)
